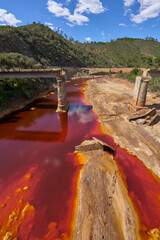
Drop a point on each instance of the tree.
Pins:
(3, 61)
(149, 61)
(65, 35)
(157, 61)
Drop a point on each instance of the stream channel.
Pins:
(39, 169)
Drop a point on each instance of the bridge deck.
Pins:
(32, 73)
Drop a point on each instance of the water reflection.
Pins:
(83, 112)
(80, 108)
(40, 143)
(14, 133)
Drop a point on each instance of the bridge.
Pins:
(141, 86)
(57, 75)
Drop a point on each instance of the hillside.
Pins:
(128, 52)
(45, 46)
(27, 46)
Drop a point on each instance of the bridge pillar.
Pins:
(62, 97)
(140, 91)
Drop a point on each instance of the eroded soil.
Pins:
(105, 209)
(111, 100)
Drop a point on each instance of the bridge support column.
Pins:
(62, 97)
(140, 91)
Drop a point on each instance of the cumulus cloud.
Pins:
(89, 6)
(148, 9)
(77, 18)
(8, 18)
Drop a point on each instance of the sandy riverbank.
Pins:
(104, 208)
(110, 99)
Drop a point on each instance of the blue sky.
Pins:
(96, 20)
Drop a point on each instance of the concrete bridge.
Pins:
(57, 75)
(141, 86)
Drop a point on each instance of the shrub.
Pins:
(131, 76)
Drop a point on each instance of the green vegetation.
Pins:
(15, 60)
(154, 86)
(131, 76)
(48, 48)
(128, 52)
(18, 89)
(38, 44)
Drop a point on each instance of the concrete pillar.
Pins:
(140, 91)
(62, 97)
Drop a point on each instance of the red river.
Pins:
(39, 170)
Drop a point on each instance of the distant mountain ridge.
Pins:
(38, 44)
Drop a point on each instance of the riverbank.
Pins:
(18, 101)
(104, 208)
(111, 99)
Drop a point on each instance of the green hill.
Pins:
(45, 46)
(128, 52)
(37, 45)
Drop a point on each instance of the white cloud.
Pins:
(8, 18)
(83, 116)
(128, 3)
(148, 9)
(70, 24)
(89, 6)
(50, 25)
(122, 25)
(88, 39)
(77, 18)
(103, 35)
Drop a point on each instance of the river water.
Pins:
(39, 170)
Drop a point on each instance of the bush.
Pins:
(154, 85)
(15, 60)
(21, 88)
(131, 76)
